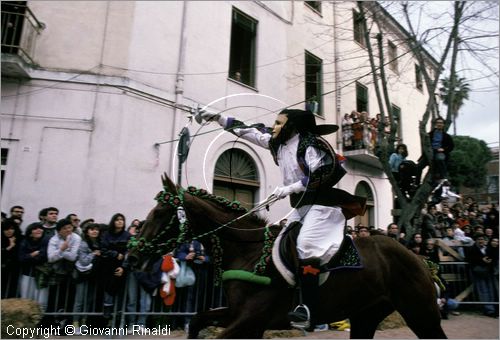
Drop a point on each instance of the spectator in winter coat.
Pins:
(482, 273)
(62, 253)
(11, 239)
(442, 145)
(114, 244)
(33, 254)
(88, 254)
(193, 253)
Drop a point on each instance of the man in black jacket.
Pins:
(482, 273)
(442, 145)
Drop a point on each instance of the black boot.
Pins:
(304, 315)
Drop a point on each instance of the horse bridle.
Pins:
(176, 201)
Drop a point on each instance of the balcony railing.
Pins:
(360, 142)
(20, 29)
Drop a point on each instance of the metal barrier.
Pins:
(59, 300)
(457, 273)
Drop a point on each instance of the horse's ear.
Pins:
(168, 184)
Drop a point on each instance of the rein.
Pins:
(176, 201)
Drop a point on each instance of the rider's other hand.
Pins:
(282, 192)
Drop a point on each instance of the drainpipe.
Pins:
(179, 89)
(337, 74)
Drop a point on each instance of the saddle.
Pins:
(286, 260)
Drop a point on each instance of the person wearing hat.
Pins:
(309, 169)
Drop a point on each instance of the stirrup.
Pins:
(300, 317)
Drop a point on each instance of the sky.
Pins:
(479, 117)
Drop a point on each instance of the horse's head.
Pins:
(184, 214)
(161, 229)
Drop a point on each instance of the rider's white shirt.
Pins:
(287, 154)
(323, 226)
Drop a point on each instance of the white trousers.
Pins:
(322, 231)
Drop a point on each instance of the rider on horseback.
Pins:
(309, 169)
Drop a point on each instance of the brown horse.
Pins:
(392, 279)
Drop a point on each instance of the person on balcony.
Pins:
(347, 131)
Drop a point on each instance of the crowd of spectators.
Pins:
(462, 232)
(359, 131)
(80, 269)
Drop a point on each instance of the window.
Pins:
(315, 5)
(3, 165)
(13, 17)
(361, 98)
(313, 81)
(396, 116)
(236, 177)
(393, 55)
(359, 28)
(242, 51)
(364, 190)
(418, 78)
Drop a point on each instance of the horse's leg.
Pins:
(421, 313)
(364, 323)
(252, 319)
(242, 330)
(425, 323)
(215, 317)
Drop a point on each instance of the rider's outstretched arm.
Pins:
(257, 134)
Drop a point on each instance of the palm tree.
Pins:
(454, 97)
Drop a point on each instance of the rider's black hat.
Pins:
(304, 121)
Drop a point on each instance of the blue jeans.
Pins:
(29, 290)
(84, 298)
(485, 289)
(135, 293)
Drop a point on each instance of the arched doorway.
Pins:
(236, 177)
(368, 219)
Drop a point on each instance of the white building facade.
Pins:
(94, 95)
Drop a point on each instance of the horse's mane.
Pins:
(232, 208)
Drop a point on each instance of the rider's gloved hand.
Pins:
(282, 192)
(207, 116)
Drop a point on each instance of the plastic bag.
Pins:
(186, 276)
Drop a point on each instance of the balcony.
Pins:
(20, 29)
(363, 156)
(359, 142)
